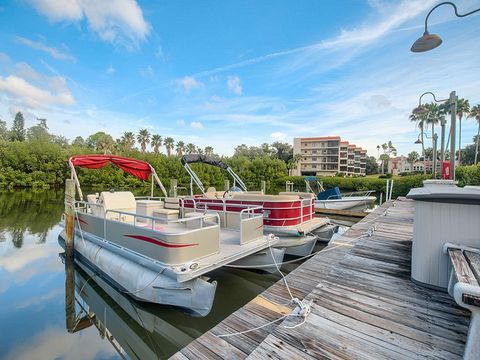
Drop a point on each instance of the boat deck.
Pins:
(364, 304)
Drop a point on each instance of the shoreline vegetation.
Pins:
(34, 158)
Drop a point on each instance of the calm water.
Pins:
(109, 325)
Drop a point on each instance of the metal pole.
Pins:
(442, 141)
(453, 112)
(263, 186)
(69, 216)
(226, 185)
(435, 137)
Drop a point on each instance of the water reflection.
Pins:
(33, 311)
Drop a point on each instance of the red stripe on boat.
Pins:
(158, 242)
(82, 221)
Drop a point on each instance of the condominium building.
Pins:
(328, 156)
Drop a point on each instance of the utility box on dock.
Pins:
(444, 213)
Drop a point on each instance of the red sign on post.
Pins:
(446, 170)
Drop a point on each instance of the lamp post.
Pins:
(452, 101)
(430, 41)
(434, 155)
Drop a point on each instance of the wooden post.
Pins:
(69, 294)
(69, 217)
(226, 185)
(263, 186)
(173, 188)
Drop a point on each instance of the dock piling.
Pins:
(263, 186)
(226, 185)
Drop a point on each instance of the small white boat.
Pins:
(153, 250)
(333, 199)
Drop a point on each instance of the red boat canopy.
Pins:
(138, 168)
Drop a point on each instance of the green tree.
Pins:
(283, 151)
(413, 158)
(209, 150)
(17, 133)
(156, 143)
(78, 142)
(293, 162)
(475, 114)
(3, 130)
(191, 148)
(180, 148)
(143, 139)
(105, 144)
(169, 143)
(94, 140)
(388, 149)
(371, 165)
(39, 132)
(127, 140)
(463, 109)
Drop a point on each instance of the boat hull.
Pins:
(142, 283)
(347, 203)
(297, 246)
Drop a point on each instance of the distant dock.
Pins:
(364, 304)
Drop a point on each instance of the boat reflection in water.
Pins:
(147, 331)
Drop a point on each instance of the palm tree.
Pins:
(169, 143)
(420, 121)
(143, 138)
(105, 144)
(463, 108)
(156, 142)
(190, 148)
(208, 150)
(180, 148)
(412, 158)
(433, 117)
(128, 140)
(292, 163)
(475, 113)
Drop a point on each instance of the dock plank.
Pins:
(364, 304)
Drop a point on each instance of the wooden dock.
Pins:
(364, 304)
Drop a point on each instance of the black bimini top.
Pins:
(204, 159)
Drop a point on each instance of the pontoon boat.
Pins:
(289, 216)
(153, 250)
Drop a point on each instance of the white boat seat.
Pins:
(303, 195)
(119, 201)
(165, 212)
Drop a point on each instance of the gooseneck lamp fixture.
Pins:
(431, 41)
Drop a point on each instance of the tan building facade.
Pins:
(328, 156)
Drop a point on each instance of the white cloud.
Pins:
(181, 122)
(53, 52)
(234, 85)
(116, 21)
(110, 70)
(278, 136)
(189, 83)
(196, 125)
(18, 90)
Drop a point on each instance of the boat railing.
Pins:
(357, 193)
(309, 205)
(83, 205)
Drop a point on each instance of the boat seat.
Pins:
(212, 193)
(303, 195)
(119, 201)
(170, 211)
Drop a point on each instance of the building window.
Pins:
(314, 159)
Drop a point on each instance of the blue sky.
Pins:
(230, 72)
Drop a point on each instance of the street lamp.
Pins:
(452, 101)
(434, 155)
(430, 41)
